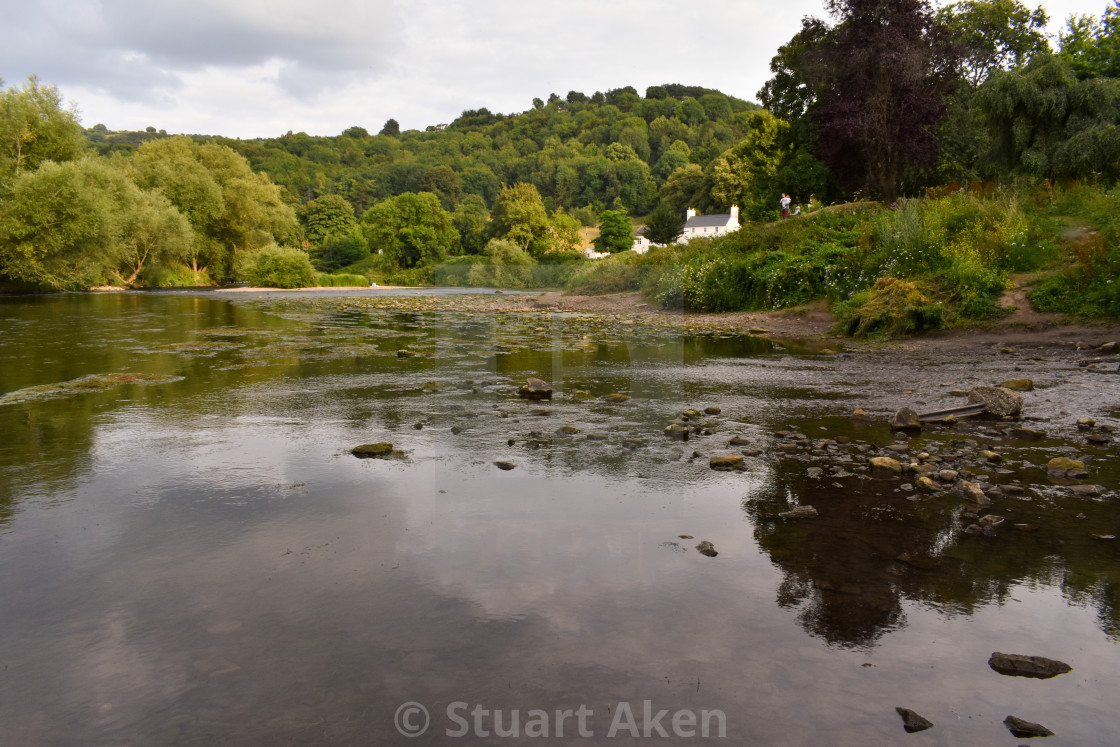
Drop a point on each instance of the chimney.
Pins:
(690, 213)
(735, 214)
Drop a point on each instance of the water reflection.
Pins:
(202, 560)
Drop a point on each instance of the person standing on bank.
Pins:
(785, 201)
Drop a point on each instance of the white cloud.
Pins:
(261, 67)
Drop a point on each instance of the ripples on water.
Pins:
(197, 558)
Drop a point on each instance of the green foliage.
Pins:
(344, 280)
(665, 224)
(339, 250)
(274, 266)
(231, 208)
(995, 34)
(34, 128)
(1046, 122)
(82, 223)
(1092, 47)
(614, 274)
(410, 230)
(329, 215)
(507, 265)
(519, 216)
(891, 308)
(616, 232)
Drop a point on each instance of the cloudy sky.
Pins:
(258, 68)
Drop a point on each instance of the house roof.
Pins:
(700, 221)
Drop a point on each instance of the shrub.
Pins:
(279, 267)
(341, 280)
(890, 308)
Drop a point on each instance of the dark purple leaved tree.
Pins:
(887, 68)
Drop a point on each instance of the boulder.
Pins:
(860, 415)
(912, 721)
(707, 548)
(973, 493)
(905, 419)
(677, 432)
(924, 483)
(997, 400)
(504, 465)
(1027, 434)
(535, 389)
(1018, 665)
(727, 463)
(1019, 385)
(615, 397)
(378, 450)
(739, 441)
(886, 466)
(712, 410)
(1024, 729)
(1063, 466)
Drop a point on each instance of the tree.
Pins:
(470, 220)
(81, 223)
(326, 216)
(410, 229)
(391, 128)
(520, 216)
(995, 35)
(616, 232)
(355, 132)
(683, 188)
(230, 207)
(887, 69)
(35, 128)
(1046, 122)
(665, 225)
(746, 175)
(151, 234)
(1092, 47)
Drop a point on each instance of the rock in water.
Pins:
(505, 465)
(906, 420)
(1063, 466)
(382, 449)
(801, 512)
(712, 410)
(1019, 385)
(997, 400)
(535, 389)
(677, 432)
(1026, 729)
(886, 466)
(913, 722)
(615, 397)
(707, 548)
(727, 463)
(1018, 665)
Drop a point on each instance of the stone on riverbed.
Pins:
(616, 397)
(1064, 466)
(712, 410)
(1019, 385)
(535, 389)
(886, 466)
(727, 463)
(377, 450)
(906, 419)
(1024, 729)
(677, 432)
(997, 400)
(913, 722)
(707, 548)
(1018, 665)
(504, 465)
(801, 512)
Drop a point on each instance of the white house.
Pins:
(709, 225)
(641, 243)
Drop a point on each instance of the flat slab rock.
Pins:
(1018, 665)
(1026, 729)
(912, 721)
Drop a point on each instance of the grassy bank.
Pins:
(925, 264)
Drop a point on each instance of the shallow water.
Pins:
(195, 557)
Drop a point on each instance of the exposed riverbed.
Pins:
(193, 555)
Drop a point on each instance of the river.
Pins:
(192, 555)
